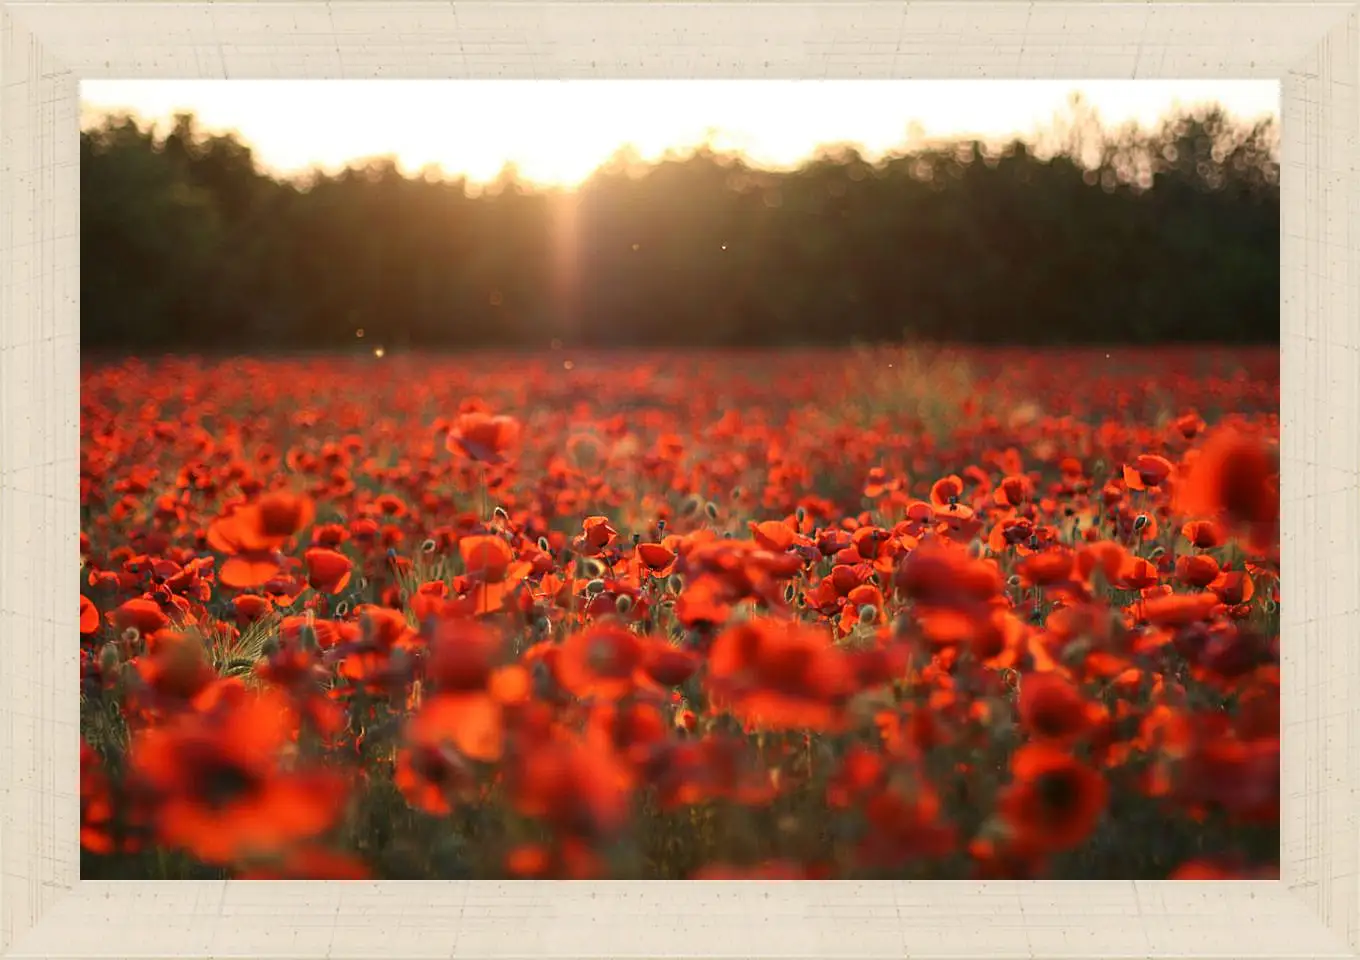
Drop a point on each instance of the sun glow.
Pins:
(558, 132)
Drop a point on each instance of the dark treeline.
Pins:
(1132, 236)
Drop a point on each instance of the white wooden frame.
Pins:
(47, 46)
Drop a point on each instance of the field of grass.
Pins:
(876, 613)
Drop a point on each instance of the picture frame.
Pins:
(48, 46)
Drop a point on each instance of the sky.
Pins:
(557, 132)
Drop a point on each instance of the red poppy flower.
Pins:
(578, 790)
(1147, 471)
(1048, 567)
(601, 662)
(491, 566)
(780, 674)
(1241, 778)
(89, 615)
(486, 558)
(597, 535)
(706, 601)
(773, 534)
(462, 654)
(221, 793)
(483, 437)
(1236, 476)
(96, 804)
(1054, 801)
(1179, 609)
(251, 608)
(905, 824)
(669, 665)
(1233, 587)
(471, 722)
(946, 491)
(1013, 491)
(432, 777)
(947, 576)
(141, 614)
(1189, 425)
(327, 571)
(1196, 569)
(1204, 534)
(262, 525)
(1051, 708)
(655, 557)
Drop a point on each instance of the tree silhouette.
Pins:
(1087, 236)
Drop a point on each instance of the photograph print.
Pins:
(679, 480)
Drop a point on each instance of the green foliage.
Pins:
(1123, 236)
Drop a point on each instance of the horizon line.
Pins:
(913, 142)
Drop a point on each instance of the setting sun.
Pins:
(558, 132)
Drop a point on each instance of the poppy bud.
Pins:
(125, 682)
(675, 583)
(867, 613)
(1140, 521)
(711, 509)
(109, 659)
(500, 514)
(623, 603)
(1075, 653)
(428, 546)
(594, 587)
(543, 544)
(801, 514)
(543, 677)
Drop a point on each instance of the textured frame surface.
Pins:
(47, 47)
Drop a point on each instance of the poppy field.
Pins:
(874, 613)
